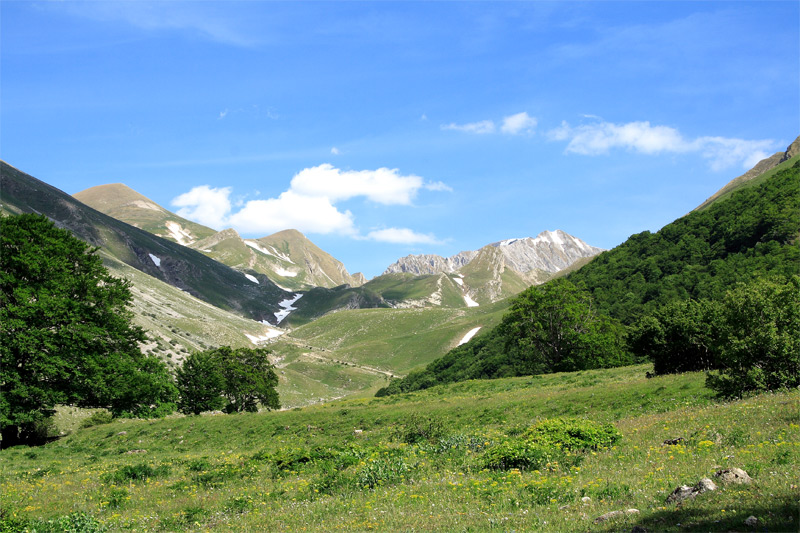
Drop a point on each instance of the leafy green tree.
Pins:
(759, 342)
(200, 384)
(556, 328)
(224, 378)
(680, 337)
(66, 335)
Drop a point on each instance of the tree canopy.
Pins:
(66, 335)
(224, 378)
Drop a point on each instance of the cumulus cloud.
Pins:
(519, 123)
(309, 205)
(206, 205)
(291, 210)
(601, 137)
(401, 236)
(516, 124)
(335, 151)
(384, 186)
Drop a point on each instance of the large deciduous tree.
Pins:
(557, 328)
(66, 335)
(224, 378)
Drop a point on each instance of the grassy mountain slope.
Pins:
(395, 340)
(123, 203)
(172, 263)
(762, 171)
(317, 267)
(417, 463)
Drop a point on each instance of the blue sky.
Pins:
(381, 129)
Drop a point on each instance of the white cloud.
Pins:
(309, 204)
(384, 186)
(601, 137)
(519, 123)
(206, 205)
(223, 114)
(401, 236)
(291, 210)
(515, 124)
(335, 151)
(480, 128)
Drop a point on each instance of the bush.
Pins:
(573, 434)
(524, 454)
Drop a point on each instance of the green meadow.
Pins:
(421, 462)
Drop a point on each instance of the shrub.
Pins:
(523, 454)
(138, 472)
(419, 428)
(573, 434)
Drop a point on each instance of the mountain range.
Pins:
(194, 287)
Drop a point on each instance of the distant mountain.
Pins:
(500, 269)
(123, 203)
(760, 170)
(549, 251)
(287, 258)
(430, 263)
(177, 265)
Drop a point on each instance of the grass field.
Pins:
(418, 462)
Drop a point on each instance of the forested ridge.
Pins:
(751, 235)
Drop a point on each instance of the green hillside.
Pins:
(751, 234)
(419, 462)
(165, 260)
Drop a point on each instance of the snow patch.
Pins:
(270, 334)
(470, 302)
(252, 278)
(180, 235)
(285, 273)
(155, 260)
(507, 242)
(471, 333)
(287, 307)
(272, 251)
(459, 281)
(146, 205)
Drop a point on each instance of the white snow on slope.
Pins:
(471, 333)
(283, 272)
(251, 278)
(287, 307)
(179, 234)
(459, 281)
(270, 334)
(272, 251)
(470, 301)
(155, 260)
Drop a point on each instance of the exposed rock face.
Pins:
(549, 251)
(430, 263)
